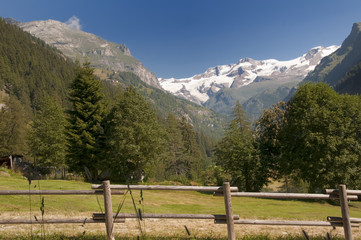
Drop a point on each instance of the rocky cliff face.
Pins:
(200, 88)
(334, 67)
(82, 46)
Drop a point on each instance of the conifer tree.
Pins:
(175, 147)
(85, 135)
(237, 155)
(268, 134)
(12, 127)
(191, 155)
(46, 139)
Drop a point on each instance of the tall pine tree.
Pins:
(12, 127)
(237, 155)
(85, 135)
(175, 148)
(191, 154)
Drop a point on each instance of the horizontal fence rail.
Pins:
(56, 221)
(57, 192)
(349, 192)
(166, 187)
(339, 219)
(288, 195)
(285, 223)
(101, 216)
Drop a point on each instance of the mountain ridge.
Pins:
(334, 67)
(83, 46)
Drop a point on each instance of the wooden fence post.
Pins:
(229, 210)
(345, 214)
(108, 210)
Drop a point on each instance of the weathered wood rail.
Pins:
(285, 223)
(56, 221)
(57, 192)
(289, 195)
(166, 188)
(226, 191)
(101, 216)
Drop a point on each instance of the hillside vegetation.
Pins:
(351, 82)
(31, 69)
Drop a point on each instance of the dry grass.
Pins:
(164, 228)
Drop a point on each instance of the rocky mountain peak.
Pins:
(80, 45)
(310, 54)
(11, 21)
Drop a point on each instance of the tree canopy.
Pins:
(315, 138)
(134, 137)
(46, 137)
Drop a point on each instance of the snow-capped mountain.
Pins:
(200, 88)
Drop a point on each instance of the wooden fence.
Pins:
(226, 191)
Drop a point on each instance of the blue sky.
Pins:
(181, 38)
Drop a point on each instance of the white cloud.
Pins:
(74, 22)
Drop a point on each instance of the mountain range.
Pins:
(256, 84)
(200, 88)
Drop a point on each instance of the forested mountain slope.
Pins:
(29, 68)
(351, 82)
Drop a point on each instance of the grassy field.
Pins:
(154, 202)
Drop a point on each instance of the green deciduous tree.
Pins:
(134, 137)
(46, 138)
(85, 134)
(237, 155)
(321, 140)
